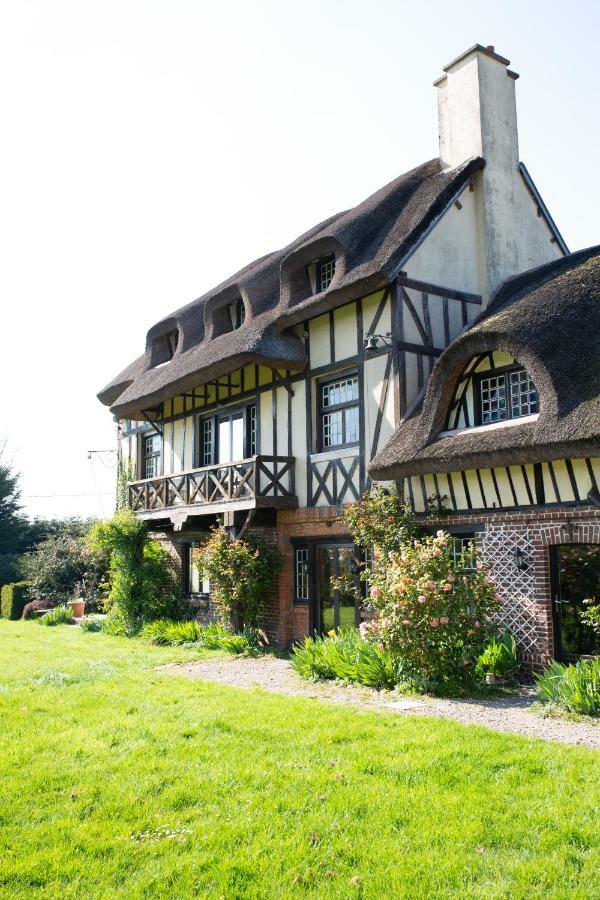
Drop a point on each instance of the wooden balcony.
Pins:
(261, 481)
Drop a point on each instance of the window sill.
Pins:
(493, 426)
(335, 453)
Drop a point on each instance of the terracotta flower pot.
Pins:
(77, 608)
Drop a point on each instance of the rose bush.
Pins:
(434, 608)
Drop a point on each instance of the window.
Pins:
(338, 412)
(325, 272)
(237, 313)
(172, 341)
(302, 573)
(464, 542)
(507, 395)
(194, 584)
(151, 455)
(228, 436)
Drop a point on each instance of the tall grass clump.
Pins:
(166, 632)
(60, 615)
(575, 688)
(348, 657)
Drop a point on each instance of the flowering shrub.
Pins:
(434, 608)
(241, 572)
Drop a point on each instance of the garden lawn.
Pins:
(119, 781)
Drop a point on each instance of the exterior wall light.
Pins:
(519, 560)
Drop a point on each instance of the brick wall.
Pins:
(527, 594)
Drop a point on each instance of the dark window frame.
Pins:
(505, 372)
(251, 434)
(156, 454)
(337, 407)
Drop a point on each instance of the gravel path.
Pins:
(510, 714)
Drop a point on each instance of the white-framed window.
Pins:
(194, 584)
(506, 395)
(151, 452)
(338, 412)
(325, 272)
(237, 313)
(302, 572)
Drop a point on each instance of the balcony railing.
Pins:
(258, 481)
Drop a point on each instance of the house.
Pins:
(440, 335)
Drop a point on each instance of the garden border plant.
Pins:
(242, 572)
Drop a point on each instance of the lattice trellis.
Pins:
(516, 587)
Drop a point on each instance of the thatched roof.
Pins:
(548, 319)
(369, 241)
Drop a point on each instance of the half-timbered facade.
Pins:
(262, 404)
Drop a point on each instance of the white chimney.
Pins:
(478, 117)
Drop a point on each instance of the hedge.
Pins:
(13, 599)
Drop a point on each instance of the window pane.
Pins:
(193, 573)
(351, 416)
(333, 429)
(302, 574)
(326, 273)
(493, 399)
(252, 428)
(207, 442)
(225, 441)
(343, 391)
(523, 395)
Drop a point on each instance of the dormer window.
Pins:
(163, 348)
(325, 272)
(172, 340)
(236, 313)
(506, 395)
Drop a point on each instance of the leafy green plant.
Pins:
(13, 599)
(143, 583)
(575, 688)
(91, 624)
(166, 632)
(60, 615)
(64, 564)
(591, 615)
(348, 657)
(499, 655)
(241, 573)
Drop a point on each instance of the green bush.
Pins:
(241, 573)
(60, 615)
(209, 637)
(143, 583)
(574, 688)
(13, 599)
(499, 656)
(349, 657)
(91, 624)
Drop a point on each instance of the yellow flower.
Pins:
(331, 633)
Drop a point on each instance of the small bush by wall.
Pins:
(13, 599)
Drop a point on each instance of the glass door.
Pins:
(337, 574)
(231, 438)
(576, 580)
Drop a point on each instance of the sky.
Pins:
(150, 149)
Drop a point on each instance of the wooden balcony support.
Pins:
(260, 481)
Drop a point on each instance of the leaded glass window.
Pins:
(507, 395)
(151, 455)
(325, 272)
(302, 574)
(339, 412)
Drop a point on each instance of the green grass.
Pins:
(117, 780)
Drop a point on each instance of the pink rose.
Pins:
(477, 624)
(451, 578)
(444, 620)
(429, 585)
(406, 622)
(465, 579)
(437, 552)
(434, 623)
(420, 599)
(375, 592)
(439, 533)
(447, 587)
